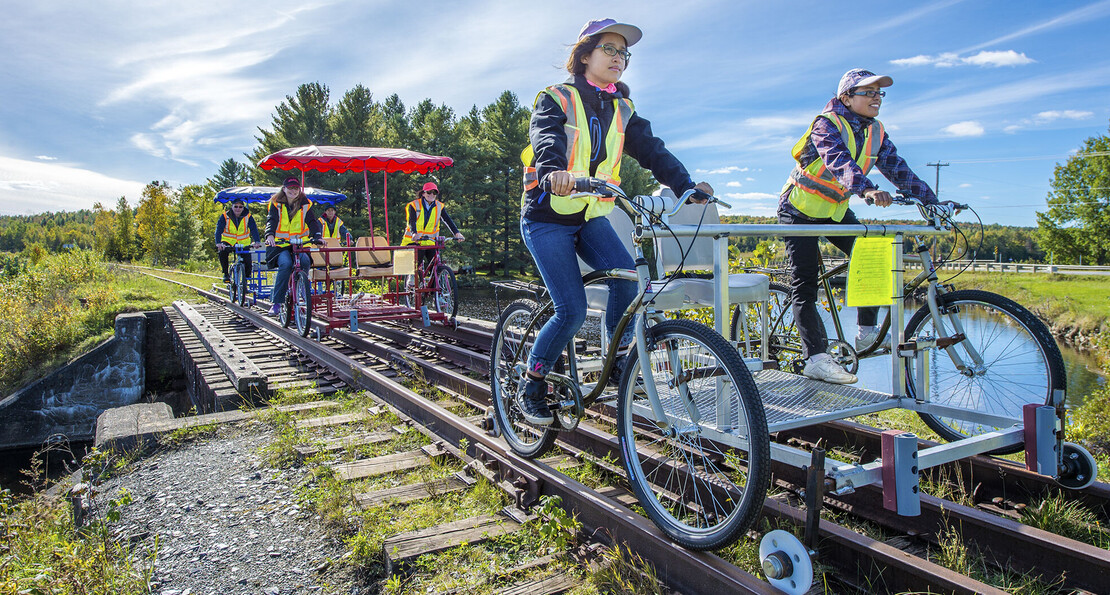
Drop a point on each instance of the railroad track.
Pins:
(450, 358)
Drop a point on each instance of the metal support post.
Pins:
(1041, 453)
(815, 497)
(900, 473)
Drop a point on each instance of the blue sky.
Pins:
(102, 97)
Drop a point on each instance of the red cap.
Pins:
(429, 186)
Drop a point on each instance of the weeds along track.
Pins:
(891, 554)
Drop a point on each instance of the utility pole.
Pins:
(938, 165)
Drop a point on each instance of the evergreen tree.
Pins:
(301, 120)
(232, 173)
(353, 123)
(502, 135)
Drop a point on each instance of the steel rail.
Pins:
(595, 510)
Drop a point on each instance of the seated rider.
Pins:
(333, 226)
(290, 217)
(422, 218)
(235, 227)
(833, 159)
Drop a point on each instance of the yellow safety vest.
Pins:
(236, 235)
(578, 152)
(814, 190)
(331, 232)
(428, 225)
(291, 227)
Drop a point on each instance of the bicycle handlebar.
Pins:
(657, 205)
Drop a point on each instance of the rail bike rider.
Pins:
(235, 227)
(582, 128)
(422, 220)
(333, 227)
(290, 216)
(832, 159)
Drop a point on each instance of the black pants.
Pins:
(805, 257)
(225, 255)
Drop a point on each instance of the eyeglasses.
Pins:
(431, 192)
(236, 206)
(614, 51)
(868, 93)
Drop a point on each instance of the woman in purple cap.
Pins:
(289, 216)
(582, 128)
(832, 159)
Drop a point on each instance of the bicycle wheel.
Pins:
(783, 343)
(508, 357)
(234, 287)
(241, 275)
(1021, 363)
(702, 482)
(302, 303)
(408, 298)
(285, 311)
(447, 291)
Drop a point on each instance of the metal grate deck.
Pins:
(793, 401)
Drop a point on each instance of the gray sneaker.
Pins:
(533, 403)
(822, 367)
(868, 339)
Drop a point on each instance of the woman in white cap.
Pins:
(582, 128)
(832, 160)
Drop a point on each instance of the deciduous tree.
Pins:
(1077, 223)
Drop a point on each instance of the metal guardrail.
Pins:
(990, 266)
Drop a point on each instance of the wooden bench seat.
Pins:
(371, 264)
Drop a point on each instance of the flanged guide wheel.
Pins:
(786, 562)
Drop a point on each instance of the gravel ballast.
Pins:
(224, 522)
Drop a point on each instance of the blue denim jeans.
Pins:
(284, 271)
(553, 247)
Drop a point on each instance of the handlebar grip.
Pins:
(583, 184)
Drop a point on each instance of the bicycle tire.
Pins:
(715, 503)
(511, 347)
(783, 342)
(241, 271)
(233, 286)
(447, 291)
(302, 303)
(408, 296)
(1026, 368)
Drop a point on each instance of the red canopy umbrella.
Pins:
(356, 159)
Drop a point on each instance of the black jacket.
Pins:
(549, 144)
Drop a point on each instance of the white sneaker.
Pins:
(864, 341)
(822, 367)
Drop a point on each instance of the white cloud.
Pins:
(36, 187)
(965, 185)
(749, 179)
(998, 59)
(45, 158)
(1011, 129)
(950, 59)
(968, 128)
(1062, 115)
(733, 185)
(731, 169)
(749, 195)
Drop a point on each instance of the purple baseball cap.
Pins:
(631, 33)
(858, 77)
(292, 181)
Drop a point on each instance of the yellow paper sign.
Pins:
(870, 280)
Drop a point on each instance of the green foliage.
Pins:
(557, 528)
(1056, 514)
(1075, 225)
(231, 173)
(42, 552)
(50, 310)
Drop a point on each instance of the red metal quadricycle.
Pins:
(336, 269)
